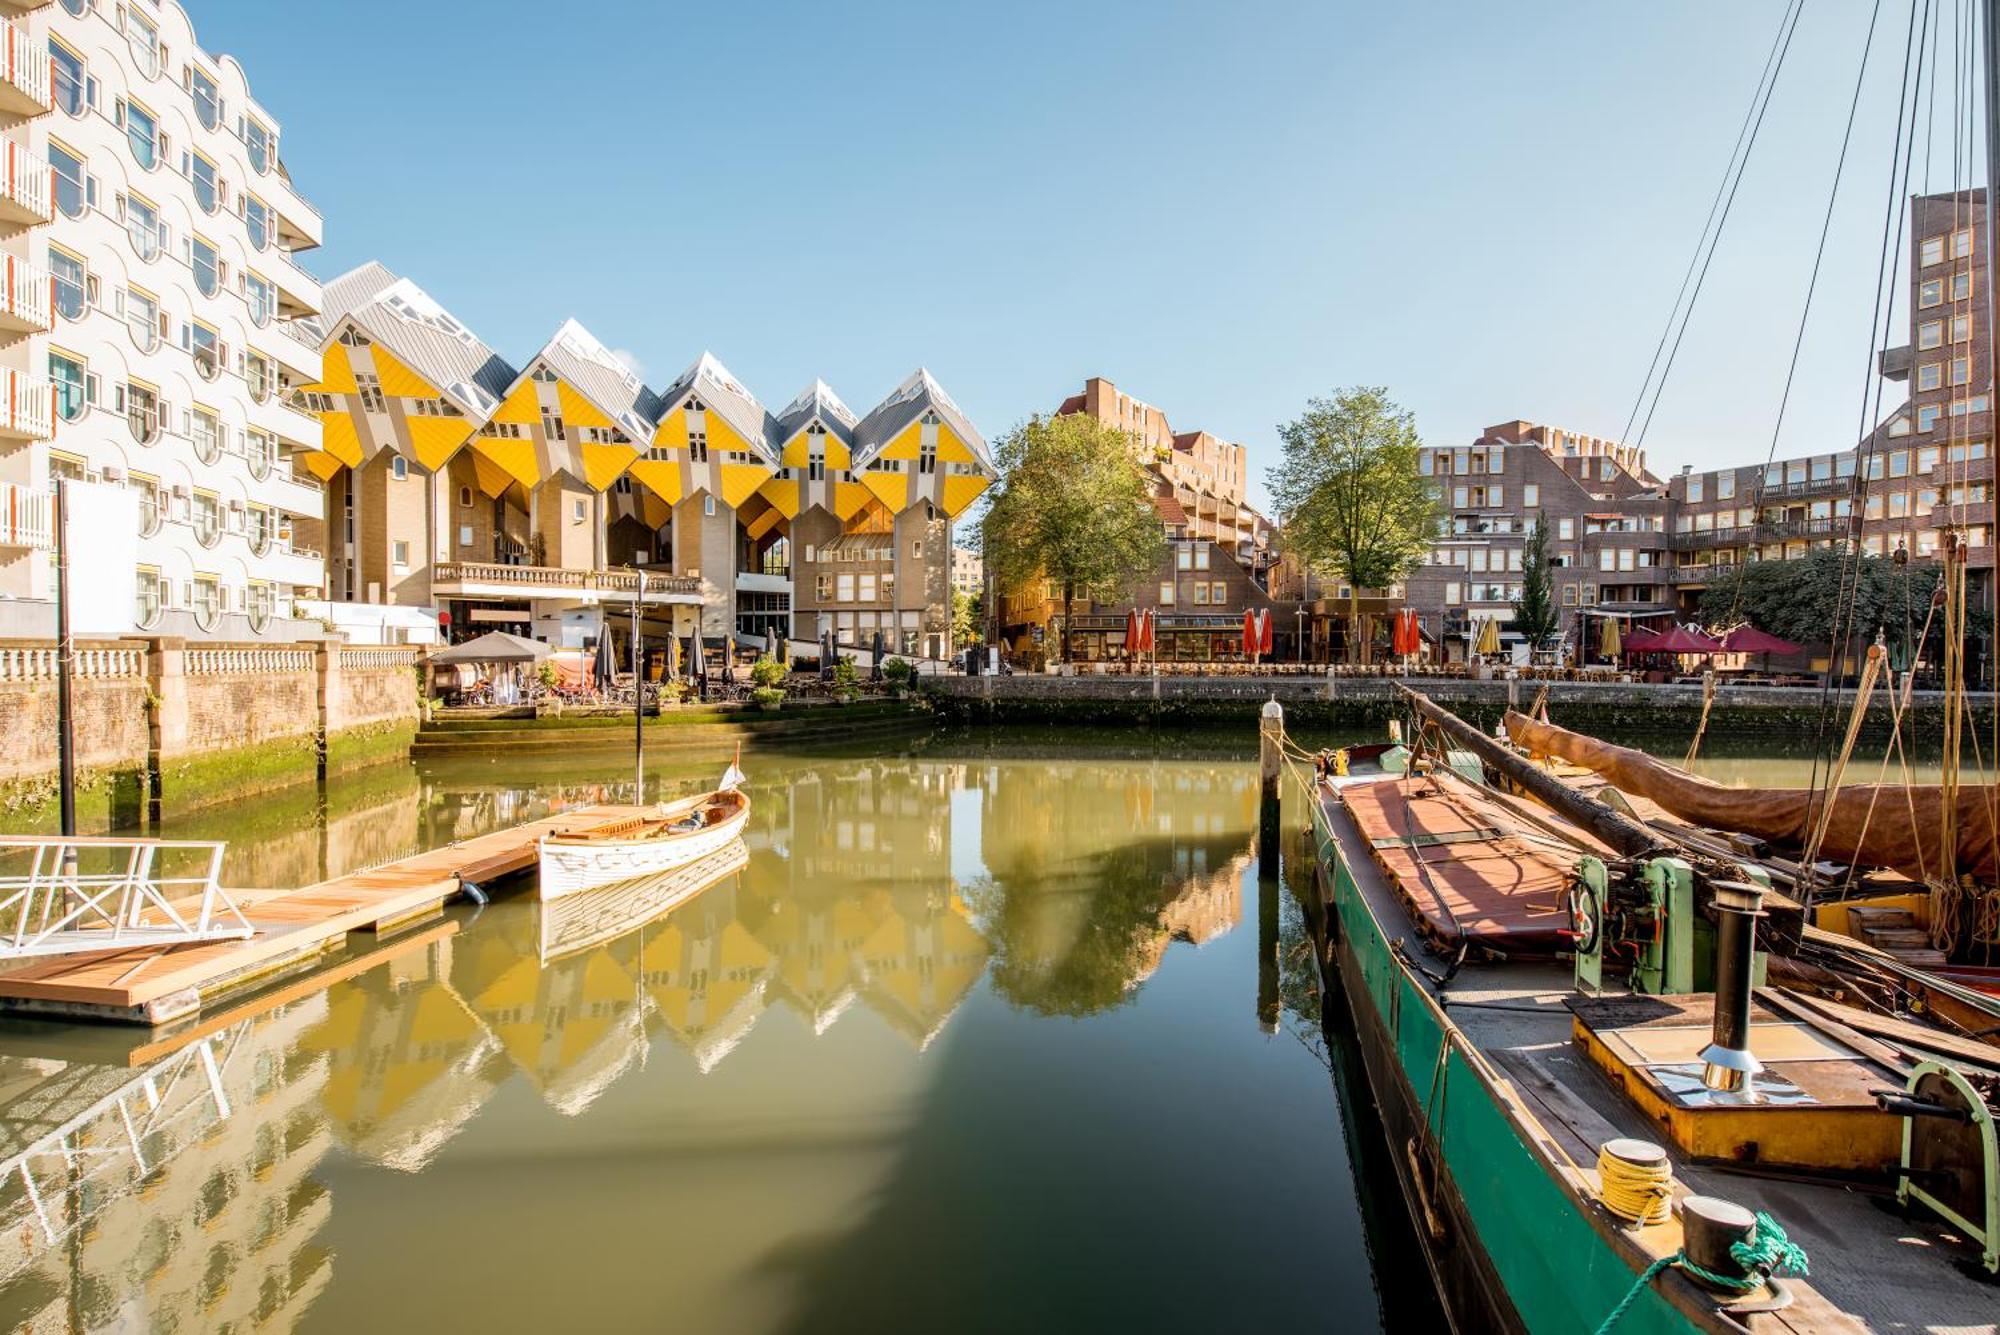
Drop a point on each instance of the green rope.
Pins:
(1766, 1250)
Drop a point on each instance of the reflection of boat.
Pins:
(679, 833)
(1592, 987)
(579, 921)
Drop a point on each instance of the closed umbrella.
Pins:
(603, 668)
(1264, 631)
(728, 663)
(1249, 634)
(673, 658)
(771, 642)
(1489, 636)
(875, 673)
(1608, 644)
(700, 650)
(1132, 634)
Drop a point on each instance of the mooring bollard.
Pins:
(1270, 759)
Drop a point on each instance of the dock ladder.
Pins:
(62, 894)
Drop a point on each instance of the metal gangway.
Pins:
(63, 894)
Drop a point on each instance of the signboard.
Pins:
(103, 558)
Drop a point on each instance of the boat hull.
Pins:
(1511, 1246)
(572, 868)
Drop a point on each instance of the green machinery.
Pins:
(1642, 917)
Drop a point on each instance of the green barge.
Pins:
(1527, 992)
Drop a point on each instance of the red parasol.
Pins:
(1749, 640)
(1249, 634)
(1132, 633)
(1264, 631)
(1146, 630)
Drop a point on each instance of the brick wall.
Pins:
(242, 696)
(109, 714)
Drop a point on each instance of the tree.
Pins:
(1800, 600)
(1349, 497)
(965, 618)
(1074, 506)
(1535, 614)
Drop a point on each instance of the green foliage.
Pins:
(966, 614)
(1800, 600)
(846, 680)
(898, 671)
(768, 671)
(1348, 494)
(546, 675)
(1536, 616)
(1073, 506)
(768, 697)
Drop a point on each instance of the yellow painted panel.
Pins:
(516, 456)
(577, 410)
(892, 489)
(398, 380)
(520, 406)
(323, 465)
(837, 454)
(493, 479)
(906, 444)
(672, 432)
(783, 494)
(722, 436)
(960, 492)
(336, 372)
(662, 477)
(603, 463)
(764, 523)
(436, 439)
(338, 438)
(848, 498)
(797, 451)
(952, 448)
(655, 510)
(739, 482)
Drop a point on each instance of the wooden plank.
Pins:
(293, 925)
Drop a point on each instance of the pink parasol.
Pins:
(1750, 640)
(1680, 640)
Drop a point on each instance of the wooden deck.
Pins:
(157, 984)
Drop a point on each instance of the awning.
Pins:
(496, 646)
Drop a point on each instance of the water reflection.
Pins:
(791, 1005)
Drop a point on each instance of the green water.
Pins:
(996, 1033)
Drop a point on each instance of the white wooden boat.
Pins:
(576, 923)
(674, 835)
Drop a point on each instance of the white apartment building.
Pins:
(968, 571)
(148, 290)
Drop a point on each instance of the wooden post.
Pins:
(1270, 761)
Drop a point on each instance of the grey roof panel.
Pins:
(719, 391)
(911, 399)
(422, 334)
(817, 400)
(591, 369)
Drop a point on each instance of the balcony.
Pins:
(291, 347)
(298, 291)
(27, 188)
(27, 297)
(293, 567)
(763, 581)
(26, 518)
(25, 75)
(470, 579)
(1894, 363)
(24, 407)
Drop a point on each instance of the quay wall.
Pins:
(163, 725)
(1367, 702)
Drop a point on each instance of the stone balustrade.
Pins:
(229, 660)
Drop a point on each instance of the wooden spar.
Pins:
(1614, 828)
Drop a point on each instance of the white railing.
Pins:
(559, 577)
(25, 517)
(368, 659)
(26, 292)
(228, 662)
(27, 181)
(25, 64)
(38, 663)
(110, 894)
(24, 406)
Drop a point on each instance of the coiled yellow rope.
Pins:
(1638, 1182)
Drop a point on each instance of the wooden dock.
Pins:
(295, 928)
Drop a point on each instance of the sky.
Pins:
(1225, 208)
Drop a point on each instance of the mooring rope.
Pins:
(1763, 1253)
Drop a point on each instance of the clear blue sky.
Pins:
(1226, 208)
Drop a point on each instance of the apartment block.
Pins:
(535, 499)
(150, 300)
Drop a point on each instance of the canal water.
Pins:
(994, 1033)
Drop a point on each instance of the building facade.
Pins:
(149, 332)
(534, 499)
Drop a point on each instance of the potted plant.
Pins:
(846, 682)
(899, 672)
(769, 676)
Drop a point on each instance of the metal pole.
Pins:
(1990, 17)
(65, 664)
(638, 695)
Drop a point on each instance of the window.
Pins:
(1930, 292)
(1961, 243)
(206, 433)
(1166, 593)
(1961, 285)
(257, 144)
(142, 132)
(1961, 328)
(1218, 593)
(142, 413)
(1725, 486)
(202, 257)
(927, 458)
(916, 549)
(1930, 334)
(142, 317)
(207, 99)
(66, 378)
(72, 84)
(206, 347)
(142, 224)
(261, 298)
(579, 509)
(1201, 556)
(844, 586)
(257, 221)
(1930, 375)
(865, 587)
(1927, 459)
(399, 554)
(1201, 593)
(399, 469)
(708, 506)
(71, 190)
(465, 498)
(1531, 495)
(1961, 370)
(70, 283)
(1927, 416)
(1930, 251)
(1566, 528)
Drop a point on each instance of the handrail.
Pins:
(59, 907)
(552, 577)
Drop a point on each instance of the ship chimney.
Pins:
(1727, 1063)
